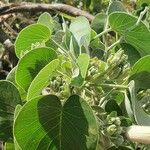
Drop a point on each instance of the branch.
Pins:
(32, 7)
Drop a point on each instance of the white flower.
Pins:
(140, 134)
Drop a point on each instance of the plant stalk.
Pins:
(114, 44)
(111, 86)
(141, 15)
(102, 33)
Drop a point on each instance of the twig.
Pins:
(116, 86)
(102, 33)
(141, 15)
(32, 7)
(114, 44)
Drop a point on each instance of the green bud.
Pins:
(59, 79)
(116, 58)
(118, 140)
(114, 73)
(119, 130)
(117, 121)
(111, 120)
(111, 129)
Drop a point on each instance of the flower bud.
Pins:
(111, 129)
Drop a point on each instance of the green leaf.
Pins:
(29, 37)
(42, 79)
(131, 52)
(141, 117)
(74, 47)
(17, 110)
(128, 107)
(112, 105)
(96, 43)
(141, 2)
(53, 126)
(30, 65)
(140, 73)
(121, 22)
(77, 81)
(136, 35)
(47, 20)
(83, 63)
(115, 6)
(11, 76)
(9, 98)
(81, 30)
(9, 146)
(98, 22)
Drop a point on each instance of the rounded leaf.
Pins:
(47, 20)
(31, 35)
(31, 63)
(136, 35)
(81, 30)
(9, 98)
(53, 126)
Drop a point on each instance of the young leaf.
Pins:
(83, 63)
(35, 34)
(9, 98)
(81, 30)
(53, 126)
(141, 117)
(31, 63)
(42, 79)
(47, 20)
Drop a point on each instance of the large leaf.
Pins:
(136, 35)
(42, 79)
(31, 63)
(140, 73)
(81, 30)
(121, 22)
(141, 117)
(35, 34)
(9, 98)
(47, 20)
(53, 126)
